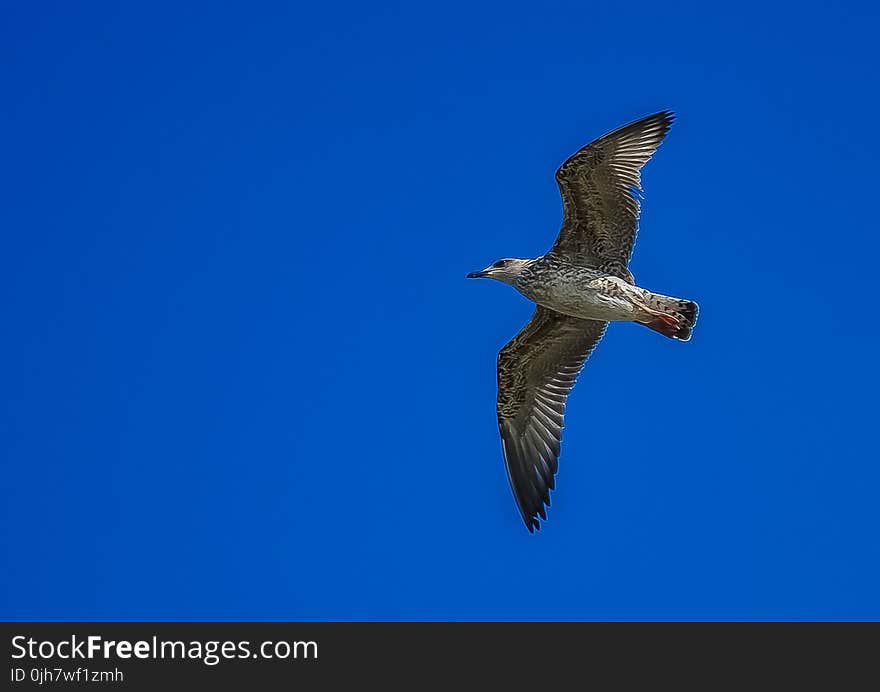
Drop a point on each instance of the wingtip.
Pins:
(531, 521)
(665, 119)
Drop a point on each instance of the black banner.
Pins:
(162, 656)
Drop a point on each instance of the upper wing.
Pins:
(599, 185)
(536, 371)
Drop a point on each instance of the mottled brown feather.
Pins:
(599, 185)
(536, 371)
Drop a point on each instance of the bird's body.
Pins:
(579, 286)
(584, 292)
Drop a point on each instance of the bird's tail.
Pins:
(672, 317)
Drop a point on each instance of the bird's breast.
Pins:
(586, 297)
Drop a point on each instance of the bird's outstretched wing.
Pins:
(536, 371)
(599, 186)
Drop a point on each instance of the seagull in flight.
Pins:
(579, 286)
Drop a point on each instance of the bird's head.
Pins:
(504, 270)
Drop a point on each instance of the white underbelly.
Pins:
(587, 303)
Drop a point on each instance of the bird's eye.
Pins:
(500, 263)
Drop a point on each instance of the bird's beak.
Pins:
(477, 275)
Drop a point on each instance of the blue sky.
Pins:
(243, 375)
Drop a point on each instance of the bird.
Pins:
(580, 285)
